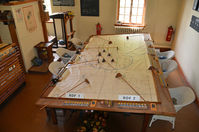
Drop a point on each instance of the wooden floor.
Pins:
(20, 114)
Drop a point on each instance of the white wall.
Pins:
(160, 14)
(27, 40)
(187, 45)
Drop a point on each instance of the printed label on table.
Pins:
(129, 97)
(75, 95)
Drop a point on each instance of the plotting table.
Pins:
(117, 73)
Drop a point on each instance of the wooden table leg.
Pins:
(145, 122)
(53, 115)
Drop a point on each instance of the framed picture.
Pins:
(196, 5)
(29, 17)
(63, 3)
(89, 7)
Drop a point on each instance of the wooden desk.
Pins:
(133, 58)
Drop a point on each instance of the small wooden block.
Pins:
(93, 103)
(151, 68)
(150, 46)
(127, 37)
(153, 107)
(118, 75)
(86, 80)
(99, 54)
(110, 42)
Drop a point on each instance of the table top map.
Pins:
(118, 73)
(130, 59)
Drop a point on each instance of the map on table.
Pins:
(103, 58)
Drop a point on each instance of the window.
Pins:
(47, 3)
(131, 12)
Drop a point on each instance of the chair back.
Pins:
(168, 66)
(55, 67)
(62, 51)
(183, 95)
(167, 55)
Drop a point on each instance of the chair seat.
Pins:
(167, 55)
(65, 54)
(78, 43)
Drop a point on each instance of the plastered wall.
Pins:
(186, 45)
(160, 14)
(27, 40)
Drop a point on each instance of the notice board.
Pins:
(89, 7)
(63, 3)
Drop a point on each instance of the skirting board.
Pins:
(185, 79)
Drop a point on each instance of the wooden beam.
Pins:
(43, 22)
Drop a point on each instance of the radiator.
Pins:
(128, 30)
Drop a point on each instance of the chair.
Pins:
(168, 66)
(65, 54)
(78, 43)
(167, 55)
(181, 96)
(55, 67)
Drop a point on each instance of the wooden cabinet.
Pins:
(12, 74)
(44, 51)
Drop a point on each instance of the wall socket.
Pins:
(195, 23)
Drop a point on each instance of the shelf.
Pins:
(6, 20)
(19, 2)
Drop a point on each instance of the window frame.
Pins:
(131, 24)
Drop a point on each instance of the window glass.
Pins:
(131, 11)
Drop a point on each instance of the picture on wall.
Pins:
(63, 3)
(29, 17)
(196, 5)
(89, 7)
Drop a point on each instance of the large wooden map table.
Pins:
(116, 73)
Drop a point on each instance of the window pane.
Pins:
(126, 19)
(128, 3)
(127, 11)
(139, 19)
(121, 18)
(141, 3)
(134, 11)
(122, 3)
(140, 11)
(133, 19)
(121, 10)
(135, 3)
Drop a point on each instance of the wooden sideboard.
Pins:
(12, 74)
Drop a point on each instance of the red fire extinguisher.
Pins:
(98, 28)
(169, 33)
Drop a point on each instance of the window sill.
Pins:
(49, 21)
(129, 25)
